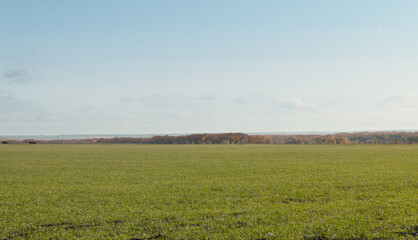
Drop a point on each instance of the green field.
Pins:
(208, 191)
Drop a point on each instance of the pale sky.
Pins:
(139, 67)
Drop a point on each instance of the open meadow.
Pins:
(208, 191)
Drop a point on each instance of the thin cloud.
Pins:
(130, 99)
(20, 75)
(152, 100)
(399, 100)
(243, 98)
(180, 115)
(209, 97)
(17, 110)
(293, 103)
(5, 59)
(371, 30)
(160, 99)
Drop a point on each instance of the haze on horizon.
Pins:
(138, 67)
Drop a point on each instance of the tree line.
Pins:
(241, 138)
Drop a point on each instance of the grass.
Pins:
(208, 191)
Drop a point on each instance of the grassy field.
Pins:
(208, 191)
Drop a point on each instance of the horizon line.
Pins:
(110, 135)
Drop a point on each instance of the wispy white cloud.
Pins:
(242, 98)
(209, 96)
(151, 100)
(399, 101)
(130, 98)
(20, 75)
(371, 29)
(160, 99)
(16, 110)
(293, 103)
(181, 114)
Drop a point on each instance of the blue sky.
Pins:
(87, 67)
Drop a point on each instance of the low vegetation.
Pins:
(208, 191)
(241, 138)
